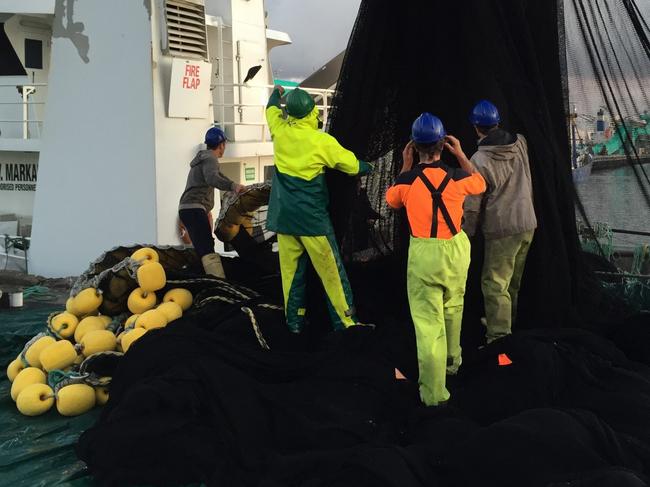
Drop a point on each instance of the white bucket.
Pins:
(16, 299)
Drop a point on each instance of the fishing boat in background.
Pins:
(581, 167)
(582, 159)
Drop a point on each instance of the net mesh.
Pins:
(608, 68)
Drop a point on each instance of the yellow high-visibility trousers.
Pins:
(436, 278)
(295, 251)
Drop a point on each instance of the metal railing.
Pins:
(13, 243)
(320, 95)
(25, 90)
(322, 98)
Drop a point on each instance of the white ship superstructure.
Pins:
(107, 102)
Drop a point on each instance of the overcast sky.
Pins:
(319, 30)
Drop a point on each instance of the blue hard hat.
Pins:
(214, 137)
(485, 114)
(427, 129)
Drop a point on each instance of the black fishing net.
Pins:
(607, 72)
(241, 226)
(228, 396)
(535, 60)
(246, 211)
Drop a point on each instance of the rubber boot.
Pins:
(212, 265)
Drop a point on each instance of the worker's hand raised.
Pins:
(238, 188)
(280, 89)
(407, 157)
(452, 144)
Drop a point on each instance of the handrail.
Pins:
(248, 105)
(631, 232)
(250, 124)
(25, 90)
(15, 85)
(322, 96)
(308, 90)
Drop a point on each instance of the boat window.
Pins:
(33, 54)
(10, 64)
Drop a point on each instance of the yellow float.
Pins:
(64, 324)
(27, 377)
(75, 399)
(33, 353)
(35, 399)
(180, 296)
(140, 301)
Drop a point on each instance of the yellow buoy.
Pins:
(98, 341)
(145, 255)
(87, 301)
(35, 399)
(101, 395)
(140, 301)
(27, 377)
(75, 399)
(58, 355)
(91, 323)
(118, 347)
(180, 296)
(106, 319)
(151, 277)
(33, 353)
(130, 321)
(14, 368)
(130, 337)
(69, 307)
(151, 319)
(171, 310)
(64, 324)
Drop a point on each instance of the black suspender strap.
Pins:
(443, 208)
(437, 202)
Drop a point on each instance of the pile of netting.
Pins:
(226, 395)
(123, 295)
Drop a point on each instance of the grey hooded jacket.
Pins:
(506, 208)
(204, 176)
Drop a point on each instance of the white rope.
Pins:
(210, 299)
(220, 284)
(274, 307)
(256, 328)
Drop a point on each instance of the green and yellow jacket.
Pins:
(299, 198)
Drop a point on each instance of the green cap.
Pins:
(299, 103)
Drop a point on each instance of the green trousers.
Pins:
(436, 278)
(503, 268)
(295, 252)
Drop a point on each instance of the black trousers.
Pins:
(198, 226)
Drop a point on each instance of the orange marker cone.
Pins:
(504, 359)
